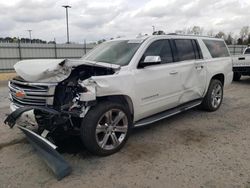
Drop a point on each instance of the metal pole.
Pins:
(67, 20)
(29, 34)
(19, 50)
(85, 46)
(55, 49)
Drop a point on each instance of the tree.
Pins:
(221, 34)
(159, 32)
(248, 39)
(210, 33)
(244, 32)
(229, 39)
(181, 32)
(195, 30)
(101, 41)
(239, 41)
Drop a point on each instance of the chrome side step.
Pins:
(167, 113)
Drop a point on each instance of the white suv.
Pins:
(121, 84)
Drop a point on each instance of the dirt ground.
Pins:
(7, 76)
(192, 149)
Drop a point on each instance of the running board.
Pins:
(167, 113)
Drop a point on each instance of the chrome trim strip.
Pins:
(28, 96)
(35, 83)
(14, 87)
(38, 136)
(28, 103)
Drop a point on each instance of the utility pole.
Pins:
(29, 30)
(67, 20)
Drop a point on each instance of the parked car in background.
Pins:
(241, 65)
(121, 84)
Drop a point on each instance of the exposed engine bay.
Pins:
(72, 99)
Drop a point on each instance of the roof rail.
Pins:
(191, 35)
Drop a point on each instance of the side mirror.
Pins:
(150, 60)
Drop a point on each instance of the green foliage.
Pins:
(22, 40)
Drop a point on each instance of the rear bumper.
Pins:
(242, 70)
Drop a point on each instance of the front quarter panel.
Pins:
(117, 84)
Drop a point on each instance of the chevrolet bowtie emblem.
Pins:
(20, 94)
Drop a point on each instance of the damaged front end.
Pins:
(55, 105)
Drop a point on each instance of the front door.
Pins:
(158, 87)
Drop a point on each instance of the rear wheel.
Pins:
(214, 96)
(105, 128)
(237, 76)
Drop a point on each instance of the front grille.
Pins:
(35, 94)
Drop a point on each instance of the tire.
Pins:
(236, 76)
(100, 133)
(214, 96)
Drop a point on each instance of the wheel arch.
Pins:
(122, 99)
(220, 77)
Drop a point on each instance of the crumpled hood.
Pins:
(52, 70)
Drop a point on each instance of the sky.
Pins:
(103, 19)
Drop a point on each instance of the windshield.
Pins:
(114, 52)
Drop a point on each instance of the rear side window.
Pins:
(216, 48)
(160, 48)
(247, 51)
(185, 49)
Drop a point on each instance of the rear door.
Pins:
(192, 69)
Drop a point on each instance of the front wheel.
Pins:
(214, 96)
(105, 128)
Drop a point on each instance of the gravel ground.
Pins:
(192, 149)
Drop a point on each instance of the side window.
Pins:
(247, 51)
(217, 48)
(160, 48)
(197, 49)
(185, 49)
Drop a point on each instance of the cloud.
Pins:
(97, 19)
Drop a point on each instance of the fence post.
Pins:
(19, 50)
(55, 48)
(234, 49)
(85, 47)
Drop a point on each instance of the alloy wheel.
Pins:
(111, 129)
(216, 96)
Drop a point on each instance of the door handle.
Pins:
(199, 67)
(173, 72)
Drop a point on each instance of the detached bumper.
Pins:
(16, 114)
(45, 149)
